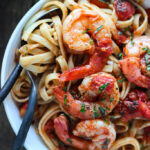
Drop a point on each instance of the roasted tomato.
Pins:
(124, 9)
(100, 3)
(134, 105)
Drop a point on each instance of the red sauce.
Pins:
(121, 37)
(148, 13)
(23, 109)
(100, 81)
(99, 3)
(49, 127)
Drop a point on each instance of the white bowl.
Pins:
(33, 141)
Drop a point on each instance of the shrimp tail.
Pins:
(59, 93)
(96, 63)
(61, 128)
(62, 131)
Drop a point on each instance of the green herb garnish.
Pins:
(142, 146)
(92, 41)
(112, 99)
(126, 29)
(105, 145)
(64, 88)
(147, 63)
(83, 108)
(132, 42)
(102, 100)
(147, 50)
(122, 80)
(102, 111)
(95, 112)
(120, 33)
(105, 1)
(86, 31)
(104, 86)
(61, 144)
(120, 56)
(98, 29)
(65, 100)
(69, 140)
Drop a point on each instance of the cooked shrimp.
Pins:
(136, 60)
(99, 96)
(101, 134)
(85, 31)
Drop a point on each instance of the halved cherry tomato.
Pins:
(124, 9)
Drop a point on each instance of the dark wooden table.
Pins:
(11, 11)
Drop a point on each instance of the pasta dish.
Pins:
(92, 61)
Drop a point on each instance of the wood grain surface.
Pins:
(11, 11)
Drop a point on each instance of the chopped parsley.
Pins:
(120, 33)
(104, 86)
(122, 80)
(112, 99)
(85, 31)
(83, 108)
(105, 1)
(69, 140)
(95, 112)
(61, 144)
(126, 29)
(102, 100)
(105, 145)
(64, 88)
(120, 56)
(102, 111)
(132, 42)
(79, 94)
(147, 50)
(92, 41)
(142, 146)
(98, 29)
(65, 100)
(147, 63)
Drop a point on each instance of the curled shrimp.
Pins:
(136, 60)
(99, 96)
(85, 31)
(101, 134)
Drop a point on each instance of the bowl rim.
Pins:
(3, 79)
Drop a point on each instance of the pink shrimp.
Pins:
(101, 134)
(77, 28)
(99, 96)
(135, 63)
